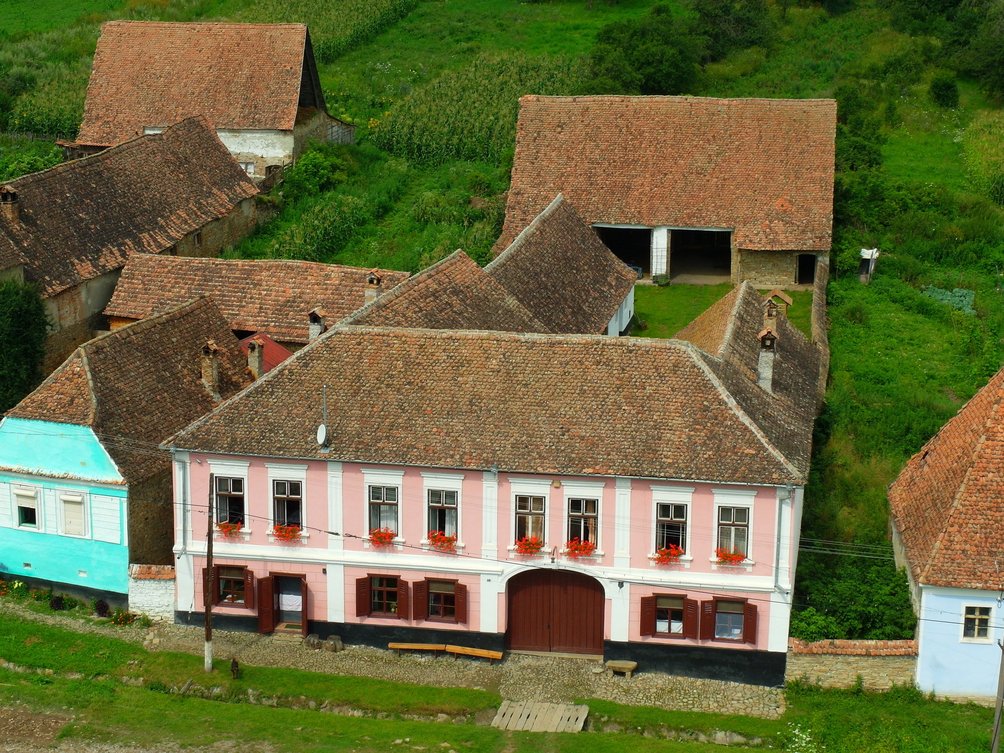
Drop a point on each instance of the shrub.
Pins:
(321, 168)
(810, 625)
(101, 608)
(18, 590)
(56, 603)
(944, 90)
(22, 341)
(124, 617)
(733, 24)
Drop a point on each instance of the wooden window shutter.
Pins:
(691, 618)
(420, 604)
(363, 597)
(707, 631)
(215, 584)
(402, 599)
(248, 589)
(647, 626)
(749, 623)
(460, 602)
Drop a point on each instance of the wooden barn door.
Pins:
(550, 610)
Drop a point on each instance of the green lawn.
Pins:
(20, 16)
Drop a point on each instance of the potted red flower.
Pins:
(728, 557)
(668, 555)
(529, 545)
(382, 536)
(578, 548)
(229, 530)
(286, 534)
(441, 542)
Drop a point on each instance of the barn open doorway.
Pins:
(700, 257)
(554, 610)
(632, 245)
(806, 273)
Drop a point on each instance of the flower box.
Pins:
(728, 557)
(442, 543)
(529, 545)
(229, 530)
(287, 534)
(668, 555)
(381, 537)
(577, 548)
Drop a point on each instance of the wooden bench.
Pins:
(621, 665)
(481, 653)
(399, 647)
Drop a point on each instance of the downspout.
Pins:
(787, 490)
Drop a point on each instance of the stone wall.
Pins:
(220, 234)
(151, 590)
(820, 323)
(767, 269)
(838, 663)
(151, 519)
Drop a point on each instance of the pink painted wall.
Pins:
(317, 601)
(472, 582)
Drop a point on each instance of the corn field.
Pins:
(470, 114)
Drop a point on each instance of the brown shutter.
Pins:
(749, 623)
(691, 618)
(248, 588)
(707, 631)
(363, 597)
(304, 622)
(420, 604)
(215, 585)
(647, 626)
(402, 599)
(266, 605)
(460, 602)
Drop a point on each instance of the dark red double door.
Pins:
(552, 610)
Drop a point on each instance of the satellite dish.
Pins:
(322, 435)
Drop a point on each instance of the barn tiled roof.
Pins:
(268, 295)
(948, 502)
(559, 269)
(761, 167)
(454, 293)
(237, 76)
(84, 218)
(137, 385)
(582, 404)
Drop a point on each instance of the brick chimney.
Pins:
(316, 323)
(256, 357)
(765, 363)
(374, 287)
(211, 368)
(10, 205)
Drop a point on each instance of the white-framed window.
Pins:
(73, 513)
(230, 500)
(733, 522)
(529, 508)
(27, 511)
(671, 517)
(583, 519)
(383, 500)
(976, 623)
(247, 167)
(443, 503)
(287, 487)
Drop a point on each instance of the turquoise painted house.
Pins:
(85, 490)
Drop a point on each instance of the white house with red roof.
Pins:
(948, 524)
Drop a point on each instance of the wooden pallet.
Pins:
(534, 716)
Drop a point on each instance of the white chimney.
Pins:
(316, 324)
(256, 357)
(765, 363)
(211, 368)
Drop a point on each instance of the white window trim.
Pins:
(74, 496)
(450, 482)
(533, 487)
(285, 472)
(583, 490)
(734, 498)
(383, 477)
(27, 492)
(990, 625)
(232, 469)
(673, 495)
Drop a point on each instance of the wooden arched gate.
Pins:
(555, 610)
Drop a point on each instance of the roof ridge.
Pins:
(86, 365)
(730, 326)
(673, 97)
(141, 325)
(524, 234)
(178, 24)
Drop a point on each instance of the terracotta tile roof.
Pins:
(583, 404)
(272, 352)
(84, 218)
(237, 76)
(559, 269)
(139, 384)
(454, 293)
(728, 332)
(151, 572)
(761, 167)
(270, 296)
(947, 504)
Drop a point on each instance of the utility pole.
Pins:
(995, 736)
(209, 582)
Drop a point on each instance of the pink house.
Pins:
(393, 484)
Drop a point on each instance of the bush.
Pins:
(321, 168)
(810, 625)
(730, 25)
(101, 608)
(23, 327)
(56, 604)
(944, 90)
(124, 617)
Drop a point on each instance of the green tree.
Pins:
(733, 25)
(23, 327)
